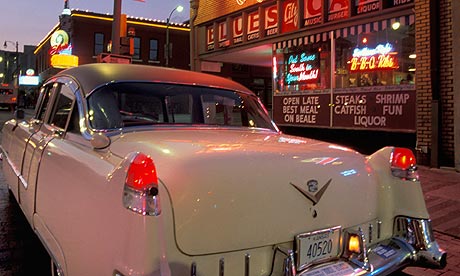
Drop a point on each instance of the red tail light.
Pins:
(140, 193)
(403, 164)
(403, 158)
(142, 173)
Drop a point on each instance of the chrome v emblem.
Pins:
(313, 197)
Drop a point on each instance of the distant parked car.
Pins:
(138, 170)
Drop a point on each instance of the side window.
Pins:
(62, 107)
(43, 101)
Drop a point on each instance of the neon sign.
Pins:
(61, 51)
(60, 43)
(381, 57)
(302, 67)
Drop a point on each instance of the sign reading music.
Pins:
(369, 59)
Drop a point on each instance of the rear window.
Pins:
(133, 104)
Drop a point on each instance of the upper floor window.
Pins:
(137, 48)
(98, 43)
(153, 52)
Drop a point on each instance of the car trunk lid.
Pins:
(233, 189)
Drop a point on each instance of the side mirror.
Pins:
(100, 141)
(19, 114)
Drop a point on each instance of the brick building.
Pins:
(438, 121)
(85, 37)
(362, 73)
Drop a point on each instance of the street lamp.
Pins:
(167, 48)
(5, 44)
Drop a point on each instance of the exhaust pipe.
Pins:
(419, 234)
(433, 256)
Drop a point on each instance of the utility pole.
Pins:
(116, 26)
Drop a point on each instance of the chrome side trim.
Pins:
(371, 232)
(193, 269)
(221, 267)
(15, 169)
(247, 260)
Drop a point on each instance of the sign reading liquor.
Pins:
(375, 110)
(370, 59)
(302, 68)
(365, 6)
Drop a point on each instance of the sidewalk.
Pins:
(441, 188)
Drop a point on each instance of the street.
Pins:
(22, 254)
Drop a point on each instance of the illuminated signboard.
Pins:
(302, 68)
(29, 80)
(60, 43)
(313, 12)
(61, 51)
(381, 57)
(64, 61)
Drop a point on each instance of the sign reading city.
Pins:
(370, 59)
(302, 68)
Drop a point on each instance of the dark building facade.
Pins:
(87, 38)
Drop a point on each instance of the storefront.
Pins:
(357, 77)
(372, 68)
(335, 64)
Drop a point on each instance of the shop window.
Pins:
(383, 58)
(153, 52)
(98, 43)
(306, 67)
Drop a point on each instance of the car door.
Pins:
(16, 143)
(53, 122)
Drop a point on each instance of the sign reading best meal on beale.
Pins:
(386, 110)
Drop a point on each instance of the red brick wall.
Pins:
(446, 83)
(423, 74)
(434, 80)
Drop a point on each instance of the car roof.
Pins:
(94, 75)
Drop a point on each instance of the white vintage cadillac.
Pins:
(140, 170)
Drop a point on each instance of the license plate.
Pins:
(317, 246)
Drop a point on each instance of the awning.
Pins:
(345, 32)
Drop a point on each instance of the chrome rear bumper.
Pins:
(413, 244)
